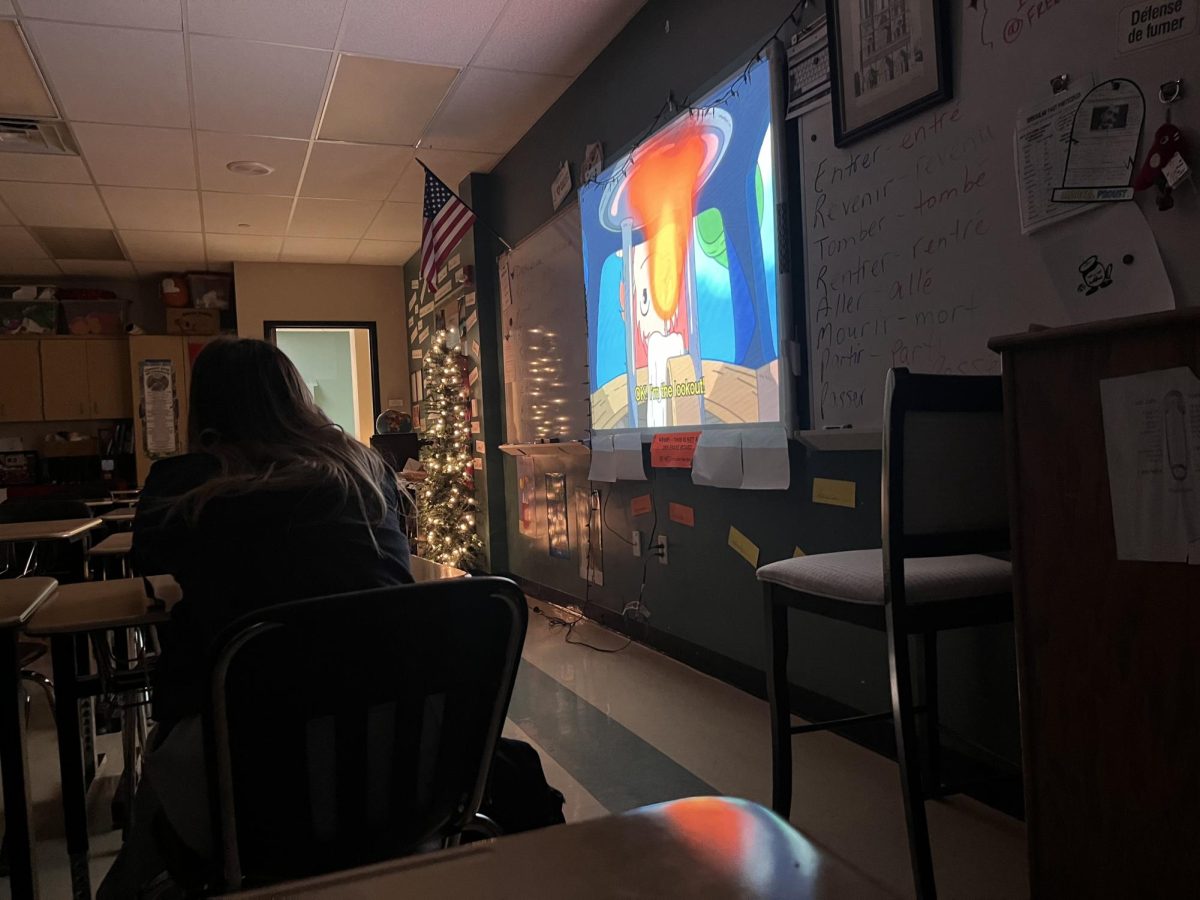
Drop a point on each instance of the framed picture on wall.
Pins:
(889, 60)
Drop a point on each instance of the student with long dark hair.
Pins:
(273, 503)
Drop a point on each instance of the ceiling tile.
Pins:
(6, 217)
(418, 30)
(332, 218)
(79, 243)
(491, 109)
(67, 205)
(257, 88)
(22, 91)
(286, 157)
(323, 250)
(384, 253)
(381, 101)
(153, 209)
(451, 166)
(555, 37)
(34, 267)
(148, 268)
(225, 213)
(97, 267)
(248, 247)
(353, 171)
(397, 222)
(142, 14)
(143, 246)
(307, 23)
(411, 186)
(43, 167)
(140, 157)
(115, 75)
(17, 243)
(6, 8)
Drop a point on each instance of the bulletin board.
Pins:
(544, 326)
(913, 236)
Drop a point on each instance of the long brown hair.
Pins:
(251, 410)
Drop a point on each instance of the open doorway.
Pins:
(339, 363)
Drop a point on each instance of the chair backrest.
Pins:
(352, 729)
(43, 509)
(943, 465)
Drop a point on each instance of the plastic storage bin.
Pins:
(94, 316)
(28, 316)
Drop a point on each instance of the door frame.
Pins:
(270, 327)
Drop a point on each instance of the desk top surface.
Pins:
(99, 605)
(120, 515)
(426, 570)
(55, 529)
(20, 598)
(114, 545)
(704, 847)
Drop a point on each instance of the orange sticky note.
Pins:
(745, 548)
(639, 506)
(682, 514)
(673, 450)
(832, 492)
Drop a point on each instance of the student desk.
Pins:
(52, 530)
(702, 848)
(76, 611)
(1108, 650)
(426, 570)
(120, 516)
(19, 600)
(111, 553)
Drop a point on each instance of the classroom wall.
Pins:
(708, 595)
(307, 292)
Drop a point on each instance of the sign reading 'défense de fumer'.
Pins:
(1143, 25)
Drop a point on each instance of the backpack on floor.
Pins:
(518, 798)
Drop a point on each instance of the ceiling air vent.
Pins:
(35, 136)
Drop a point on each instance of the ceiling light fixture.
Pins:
(249, 167)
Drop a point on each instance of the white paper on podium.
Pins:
(604, 461)
(1152, 439)
(627, 449)
(765, 465)
(718, 459)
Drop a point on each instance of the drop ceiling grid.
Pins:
(312, 35)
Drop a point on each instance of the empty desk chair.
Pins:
(944, 507)
(352, 729)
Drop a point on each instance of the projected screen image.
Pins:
(680, 271)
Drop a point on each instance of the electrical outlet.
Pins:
(661, 548)
(637, 543)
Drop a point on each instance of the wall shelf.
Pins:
(841, 439)
(568, 448)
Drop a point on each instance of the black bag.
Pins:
(517, 796)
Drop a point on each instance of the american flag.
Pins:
(446, 220)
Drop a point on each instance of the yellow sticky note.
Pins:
(798, 552)
(745, 547)
(833, 492)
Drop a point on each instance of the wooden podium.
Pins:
(1108, 650)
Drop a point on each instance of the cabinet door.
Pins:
(108, 379)
(20, 381)
(65, 395)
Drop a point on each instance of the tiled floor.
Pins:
(617, 731)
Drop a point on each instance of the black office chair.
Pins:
(358, 728)
(944, 510)
(55, 560)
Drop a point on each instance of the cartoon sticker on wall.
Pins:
(1094, 275)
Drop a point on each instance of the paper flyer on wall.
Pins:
(1040, 143)
(159, 409)
(1152, 439)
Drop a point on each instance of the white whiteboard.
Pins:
(544, 323)
(914, 253)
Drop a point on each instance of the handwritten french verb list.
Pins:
(891, 228)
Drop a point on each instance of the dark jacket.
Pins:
(246, 552)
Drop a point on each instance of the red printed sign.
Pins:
(682, 514)
(639, 506)
(673, 450)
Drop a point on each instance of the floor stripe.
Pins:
(579, 804)
(612, 763)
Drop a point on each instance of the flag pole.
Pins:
(489, 228)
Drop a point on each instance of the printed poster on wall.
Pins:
(159, 408)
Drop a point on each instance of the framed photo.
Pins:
(889, 60)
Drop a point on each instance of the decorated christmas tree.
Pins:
(447, 502)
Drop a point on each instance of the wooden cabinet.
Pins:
(65, 394)
(20, 381)
(85, 379)
(108, 379)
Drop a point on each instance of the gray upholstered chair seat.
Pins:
(856, 576)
